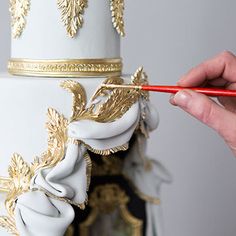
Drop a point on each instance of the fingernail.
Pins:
(182, 98)
(171, 100)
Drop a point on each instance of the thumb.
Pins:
(208, 112)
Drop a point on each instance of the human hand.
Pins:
(217, 72)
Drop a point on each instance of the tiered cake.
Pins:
(86, 173)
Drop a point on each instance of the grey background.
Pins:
(168, 37)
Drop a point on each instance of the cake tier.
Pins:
(65, 30)
(81, 117)
(24, 103)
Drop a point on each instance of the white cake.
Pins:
(61, 54)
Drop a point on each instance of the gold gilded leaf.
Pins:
(117, 10)
(19, 10)
(79, 98)
(20, 174)
(5, 183)
(71, 14)
(8, 224)
(112, 104)
(107, 104)
(103, 92)
(57, 138)
(19, 170)
(117, 104)
(141, 78)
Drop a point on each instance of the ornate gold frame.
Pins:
(115, 198)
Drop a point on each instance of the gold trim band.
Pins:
(66, 68)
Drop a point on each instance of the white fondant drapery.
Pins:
(39, 212)
(68, 179)
(37, 215)
(105, 136)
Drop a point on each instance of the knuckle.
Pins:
(229, 136)
(205, 113)
(226, 56)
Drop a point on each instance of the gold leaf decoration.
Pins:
(118, 102)
(5, 184)
(78, 95)
(57, 138)
(140, 78)
(71, 14)
(9, 224)
(104, 92)
(117, 10)
(107, 105)
(19, 10)
(20, 174)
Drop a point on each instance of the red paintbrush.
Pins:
(213, 92)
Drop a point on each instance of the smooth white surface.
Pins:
(35, 209)
(24, 103)
(168, 38)
(45, 36)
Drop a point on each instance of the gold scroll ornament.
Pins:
(115, 104)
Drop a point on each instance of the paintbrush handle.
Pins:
(213, 92)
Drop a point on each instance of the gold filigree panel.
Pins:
(105, 199)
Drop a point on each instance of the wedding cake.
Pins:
(73, 151)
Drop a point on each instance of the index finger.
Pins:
(222, 66)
